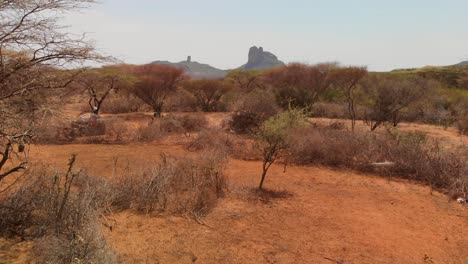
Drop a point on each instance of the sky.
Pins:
(380, 34)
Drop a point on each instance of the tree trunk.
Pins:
(395, 119)
(157, 111)
(351, 111)
(376, 125)
(265, 170)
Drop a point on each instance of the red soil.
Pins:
(326, 216)
(329, 216)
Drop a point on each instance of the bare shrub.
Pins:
(336, 125)
(175, 185)
(328, 110)
(193, 122)
(85, 127)
(183, 123)
(123, 104)
(54, 131)
(245, 148)
(118, 131)
(88, 246)
(209, 139)
(256, 107)
(61, 214)
(462, 125)
(181, 101)
(186, 123)
(151, 132)
(412, 155)
(347, 79)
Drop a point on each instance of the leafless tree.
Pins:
(99, 84)
(347, 79)
(36, 57)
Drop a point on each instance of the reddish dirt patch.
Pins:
(330, 217)
(327, 216)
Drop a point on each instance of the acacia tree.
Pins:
(34, 49)
(273, 137)
(155, 83)
(99, 83)
(300, 85)
(245, 80)
(207, 93)
(347, 79)
(387, 95)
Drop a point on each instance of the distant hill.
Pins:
(462, 64)
(260, 60)
(196, 70)
(257, 60)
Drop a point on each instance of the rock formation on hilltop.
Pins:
(260, 59)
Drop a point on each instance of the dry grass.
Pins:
(412, 155)
(462, 125)
(185, 123)
(60, 213)
(174, 185)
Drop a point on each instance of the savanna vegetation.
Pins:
(47, 97)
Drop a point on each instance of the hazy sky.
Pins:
(381, 34)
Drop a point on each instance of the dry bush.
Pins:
(414, 157)
(123, 104)
(329, 110)
(158, 128)
(256, 107)
(245, 148)
(89, 246)
(193, 122)
(462, 125)
(85, 127)
(175, 185)
(237, 146)
(149, 133)
(54, 132)
(209, 139)
(183, 123)
(181, 101)
(245, 122)
(66, 131)
(336, 126)
(61, 213)
(118, 131)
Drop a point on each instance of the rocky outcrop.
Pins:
(260, 59)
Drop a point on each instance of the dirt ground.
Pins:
(319, 215)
